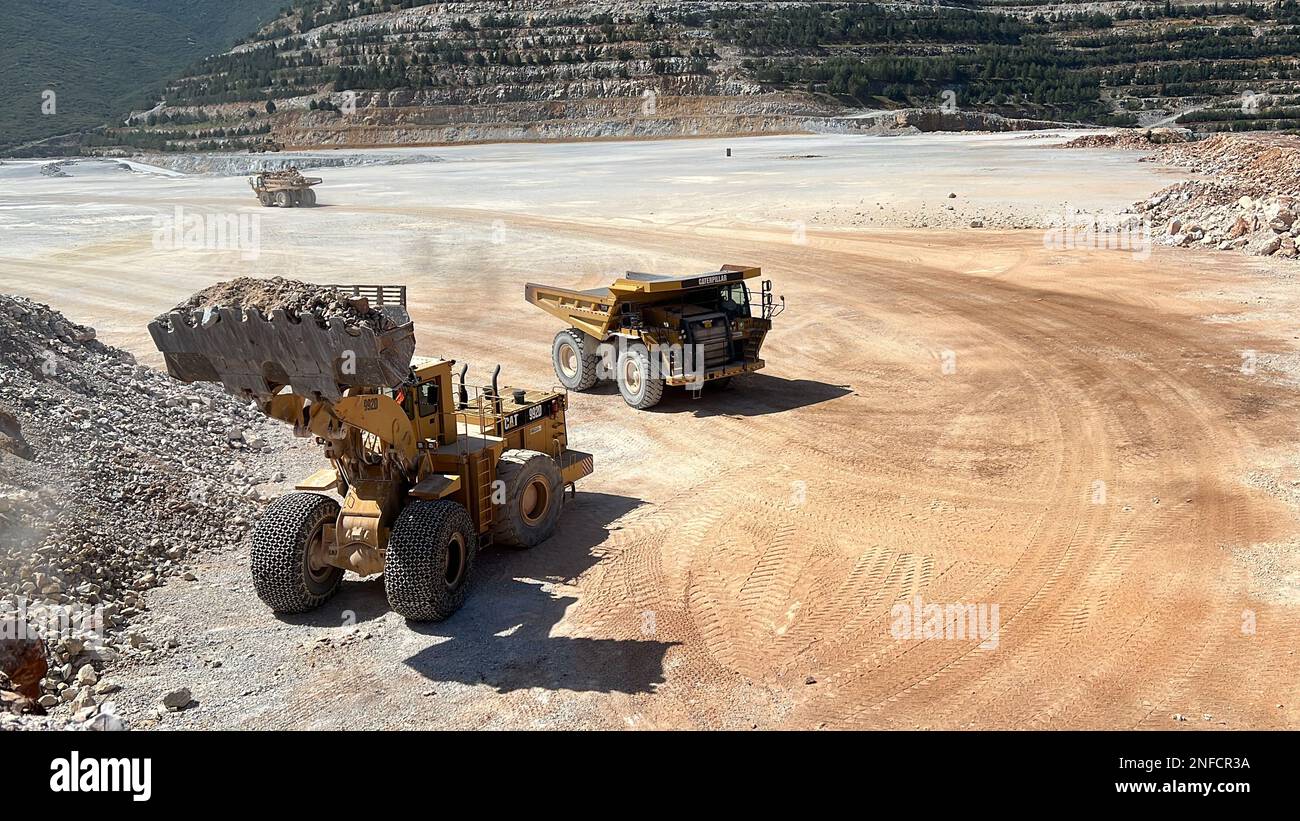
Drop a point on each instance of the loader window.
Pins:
(428, 393)
(401, 396)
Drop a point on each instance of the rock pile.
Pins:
(1134, 139)
(1206, 214)
(112, 476)
(296, 298)
(1248, 203)
(1248, 199)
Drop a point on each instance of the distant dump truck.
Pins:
(647, 331)
(286, 189)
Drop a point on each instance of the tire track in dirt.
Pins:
(1035, 588)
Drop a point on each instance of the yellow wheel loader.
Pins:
(428, 468)
(648, 331)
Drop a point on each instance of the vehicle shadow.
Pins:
(754, 394)
(357, 601)
(502, 635)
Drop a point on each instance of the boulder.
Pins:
(11, 435)
(1265, 246)
(22, 657)
(177, 699)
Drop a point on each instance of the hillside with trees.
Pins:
(367, 72)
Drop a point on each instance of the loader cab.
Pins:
(427, 401)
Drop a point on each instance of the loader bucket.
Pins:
(253, 356)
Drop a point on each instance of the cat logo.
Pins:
(708, 323)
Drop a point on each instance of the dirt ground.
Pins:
(1100, 444)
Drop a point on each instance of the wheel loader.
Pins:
(429, 468)
(264, 146)
(648, 331)
(284, 189)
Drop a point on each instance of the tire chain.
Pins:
(413, 571)
(277, 559)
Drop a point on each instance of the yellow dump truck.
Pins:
(284, 189)
(648, 331)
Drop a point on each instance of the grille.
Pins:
(712, 339)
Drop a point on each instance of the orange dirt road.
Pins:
(967, 420)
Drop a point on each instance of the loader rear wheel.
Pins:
(532, 493)
(288, 562)
(639, 387)
(283, 199)
(431, 551)
(575, 369)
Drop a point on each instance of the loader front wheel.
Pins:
(637, 381)
(288, 562)
(575, 368)
(530, 494)
(430, 554)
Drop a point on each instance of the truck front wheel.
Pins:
(640, 384)
(574, 366)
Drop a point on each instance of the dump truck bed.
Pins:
(634, 282)
(593, 310)
(296, 184)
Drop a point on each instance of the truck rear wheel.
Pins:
(430, 554)
(288, 562)
(575, 368)
(640, 386)
(283, 199)
(531, 493)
